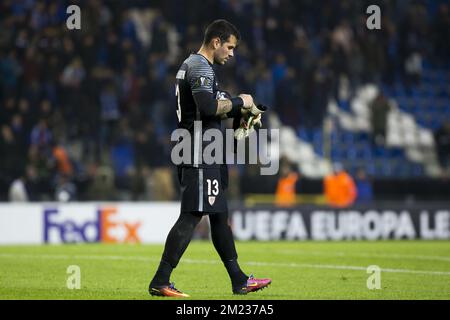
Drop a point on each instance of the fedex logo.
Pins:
(101, 225)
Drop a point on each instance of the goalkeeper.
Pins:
(203, 185)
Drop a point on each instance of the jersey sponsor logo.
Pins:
(202, 82)
(211, 200)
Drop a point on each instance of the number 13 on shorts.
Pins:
(214, 196)
(213, 187)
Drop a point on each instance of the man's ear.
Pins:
(216, 42)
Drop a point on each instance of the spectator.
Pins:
(65, 190)
(279, 68)
(442, 139)
(41, 135)
(42, 163)
(8, 110)
(102, 187)
(164, 190)
(147, 147)
(19, 132)
(12, 162)
(285, 194)
(18, 191)
(63, 164)
(110, 114)
(320, 94)
(363, 187)
(264, 88)
(379, 109)
(10, 70)
(340, 189)
(73, 74)
(288, 98)
(413, 69)
(23, 188)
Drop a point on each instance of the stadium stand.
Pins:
(104, 93)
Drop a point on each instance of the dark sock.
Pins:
(237, 276)
(176, 243)
(223, 241)
(162, 276)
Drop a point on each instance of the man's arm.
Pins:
(209, 107)
(224, 108)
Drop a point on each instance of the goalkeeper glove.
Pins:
(251, 119)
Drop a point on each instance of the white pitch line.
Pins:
(196, 261)
(368, 255)
(330, 266)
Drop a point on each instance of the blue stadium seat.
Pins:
(344, 105)
(303, 134)
(348, 138)
(336, 154)
(380, 152)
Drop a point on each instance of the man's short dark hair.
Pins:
(221, 29)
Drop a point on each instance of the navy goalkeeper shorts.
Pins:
(202, 190)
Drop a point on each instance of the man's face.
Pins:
(224, 50)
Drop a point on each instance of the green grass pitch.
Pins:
(300, 270)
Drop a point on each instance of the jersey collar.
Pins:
(199, 54)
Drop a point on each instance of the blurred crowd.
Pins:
(87, 114)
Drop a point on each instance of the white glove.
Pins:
(248, 126)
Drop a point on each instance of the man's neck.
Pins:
(208, 54)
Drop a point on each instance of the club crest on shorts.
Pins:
(211, 200)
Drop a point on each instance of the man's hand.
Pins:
(248, 100)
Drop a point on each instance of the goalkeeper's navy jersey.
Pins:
(196, 75)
